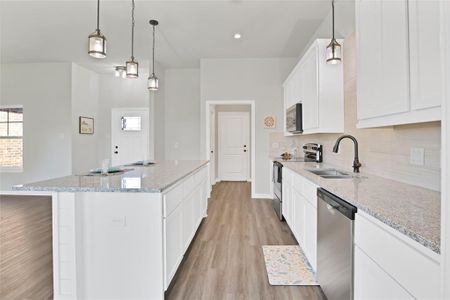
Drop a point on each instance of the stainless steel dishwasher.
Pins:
(335, 245)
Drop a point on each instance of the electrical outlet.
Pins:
(119, 221)
(417, 156)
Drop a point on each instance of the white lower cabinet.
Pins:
(173, 228)
(390, 265)
(372, 282)
(186, 206)
(300, 211)
(310, 240)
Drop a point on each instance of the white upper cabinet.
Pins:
(398, 62)
(309, 90)
(382, 63)
(320, 89)
(425, 56)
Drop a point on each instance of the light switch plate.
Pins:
(417, 156)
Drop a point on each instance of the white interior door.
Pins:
(234, 145)
(130, 144)
(212, 144)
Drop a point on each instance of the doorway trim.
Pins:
(252, 130)
(445, 157)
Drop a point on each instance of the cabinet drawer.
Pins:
(413, 266)
(310, 192)
(172, 199)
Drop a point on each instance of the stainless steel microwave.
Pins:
(294, 118)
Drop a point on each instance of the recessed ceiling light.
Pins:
(237, 36)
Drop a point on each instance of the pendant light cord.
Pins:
(132, 29)
(98, 15)
(153, 59)
(332, 16)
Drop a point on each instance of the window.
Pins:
(11, 138)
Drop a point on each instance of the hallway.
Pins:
(225, 260)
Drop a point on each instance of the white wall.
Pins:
(85, 98)
(44, 90)
(182, 100)
(247, 79)
(344, 23)
(157, 99)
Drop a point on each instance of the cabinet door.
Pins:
(286, 194)
(290, 92)
(299, 217)
(204, 200)
(425, 55)
(382, 58)
(372, 282)
(287, 203)
(310, 90)
(174, 243)
(310, 241)
(296, 87)
(188, 219)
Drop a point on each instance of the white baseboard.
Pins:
(261, 196)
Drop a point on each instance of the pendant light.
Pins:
(333, 48)
(152, 79)
(132, 66)
(97, 41)
(120, 71)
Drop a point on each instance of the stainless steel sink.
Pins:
(331, 173)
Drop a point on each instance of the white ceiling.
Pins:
(44, 31)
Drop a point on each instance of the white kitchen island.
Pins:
(123, 236)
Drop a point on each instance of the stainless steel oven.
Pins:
(277, 188)
(294, 118)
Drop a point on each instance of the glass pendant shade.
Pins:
(132, 68)
(333, 53)
(153, 83)
(97, 44)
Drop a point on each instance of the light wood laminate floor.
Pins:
(26, 269)
(225, 260)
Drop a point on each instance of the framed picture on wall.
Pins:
(86, 125)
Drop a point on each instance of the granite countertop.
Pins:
(412, 210)
(146, 179)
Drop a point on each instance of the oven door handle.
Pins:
(279, 175)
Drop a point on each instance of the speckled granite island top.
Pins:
(412, 210)
(146, 179)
